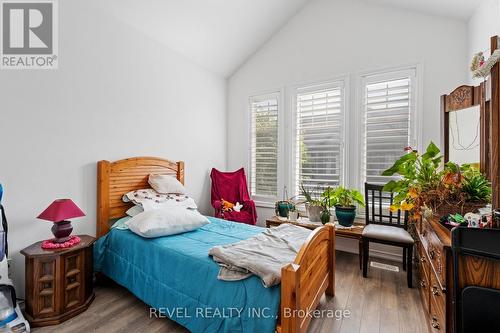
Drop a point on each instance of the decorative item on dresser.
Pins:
(58, 282)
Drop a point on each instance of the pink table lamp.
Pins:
(58, 212)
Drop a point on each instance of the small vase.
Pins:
(325, 216)
(345, 215)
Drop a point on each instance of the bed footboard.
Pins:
(304, 281)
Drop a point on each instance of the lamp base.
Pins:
(62, 231)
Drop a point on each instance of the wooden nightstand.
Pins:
(354, 233)
(59, 283)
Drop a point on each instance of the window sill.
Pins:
(264, 204)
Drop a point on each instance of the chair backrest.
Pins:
(476, 287)
(377, 207)
(230, 186)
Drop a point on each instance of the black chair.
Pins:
(476, 261)
(386, 227)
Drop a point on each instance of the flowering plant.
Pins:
(425, 184)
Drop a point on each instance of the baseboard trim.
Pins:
(373, 253)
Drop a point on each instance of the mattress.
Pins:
(175, 275)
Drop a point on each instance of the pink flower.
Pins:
(50, 244)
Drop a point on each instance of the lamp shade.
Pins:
(60, 210)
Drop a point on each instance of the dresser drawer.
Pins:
(438, 306)
(435, 251)
(437, 313)
(423, 280)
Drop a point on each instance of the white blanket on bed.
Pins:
(263, 255)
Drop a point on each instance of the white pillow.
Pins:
(166, 184)
(134, 210)
(164, 222)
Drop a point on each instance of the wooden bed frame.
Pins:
(303, 282)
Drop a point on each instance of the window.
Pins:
(314, 138)
(319, 122)
(388, 113)
(264, 145)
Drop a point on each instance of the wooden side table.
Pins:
(353, 233)
(59, 283)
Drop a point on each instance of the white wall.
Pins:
(116, 94)
(484, 23)
(330, 38)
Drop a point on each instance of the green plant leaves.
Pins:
(400, 166)
(431, 152)
(475, 185)
(392, 186)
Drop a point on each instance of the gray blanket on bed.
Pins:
(263, 255)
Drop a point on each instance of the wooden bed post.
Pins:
(180, 171)
(102, 195)
(330, 291)
(307, 279)
(289, 288)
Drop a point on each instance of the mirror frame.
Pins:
(461, 98)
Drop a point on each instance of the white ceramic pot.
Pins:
(314, 213)
(293, 216)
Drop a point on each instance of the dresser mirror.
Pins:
(466, 127)
(464, 136)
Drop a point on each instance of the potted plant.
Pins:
(313, 203)
(328, 203)
(345, 201)
(426, 185)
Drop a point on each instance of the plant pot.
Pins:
(325, 216)
(466, 207)
(283, 207)
(314, 213)
(345, 215)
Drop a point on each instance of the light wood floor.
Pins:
(381, 303)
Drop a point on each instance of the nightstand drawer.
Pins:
(44, 273)
(72, 283)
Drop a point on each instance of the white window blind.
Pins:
(319, 137)
(388, 117)
(264, 145)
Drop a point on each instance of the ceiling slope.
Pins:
(216, 34)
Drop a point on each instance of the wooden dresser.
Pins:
(435, 273)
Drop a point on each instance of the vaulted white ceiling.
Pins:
(461, 9)
(221, 35)
(217, 34)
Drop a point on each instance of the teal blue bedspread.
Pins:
(175, 275)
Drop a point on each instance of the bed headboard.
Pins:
(114, 179)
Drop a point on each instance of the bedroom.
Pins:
(184, 81)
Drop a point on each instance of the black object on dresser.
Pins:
(476, 257)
